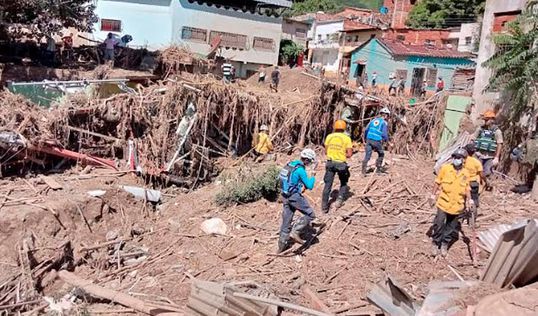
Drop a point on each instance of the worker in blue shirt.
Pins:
(376, 133)
(293, 180)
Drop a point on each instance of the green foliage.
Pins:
(49, 16)
(249, 184)
(444, 13)
(312, 6)
(289, 50)
(515, 65)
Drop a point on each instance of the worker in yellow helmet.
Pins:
(338, 148)
(262, 143)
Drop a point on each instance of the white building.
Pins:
(496, 15)
(466, 37)
(250, 31)
(326, 44)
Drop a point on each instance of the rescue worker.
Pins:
(338, 148)
(294, 179)
(263, 144)
(376, 133)
(476, 172)
(489, 143)
(451, 192)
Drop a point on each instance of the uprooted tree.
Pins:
(47, 16)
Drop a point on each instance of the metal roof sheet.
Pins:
(280, 3)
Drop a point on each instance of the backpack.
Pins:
(286, 187)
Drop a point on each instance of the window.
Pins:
(401, 73)
(468, 40)
(348, 38)
(230, 40)
(108, 25)
(300, 33)
(400, 37)
(194, 34)
(319, 37)
(431, 76)
(356, 38)
(429, 42)
(263, 43)
(327, 36)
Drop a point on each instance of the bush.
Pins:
(249, 184)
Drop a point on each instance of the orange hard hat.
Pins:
(489, 114)
(340, 125)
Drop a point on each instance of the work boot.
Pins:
(380, 170)
(295, 236)
(444, 250)
(338, 204)
(435, 250)
(281, 246)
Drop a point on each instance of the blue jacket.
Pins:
(377, 130)
(300, 177)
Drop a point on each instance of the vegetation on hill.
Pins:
(309, 6)
(444, 13)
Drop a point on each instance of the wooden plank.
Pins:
(315, 301)
(53, 184)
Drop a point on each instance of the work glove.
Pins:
(495, 162)
(432, 199)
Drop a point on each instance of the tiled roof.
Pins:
(402, 49)
(350, 25)
(346, 13)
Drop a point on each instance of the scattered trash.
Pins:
(96, 193)
(61, 306)
(142, 193)
(214, 226)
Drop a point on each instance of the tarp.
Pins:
(455, 110)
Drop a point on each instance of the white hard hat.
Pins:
(385, 111)
(309, 154)
(264, 127)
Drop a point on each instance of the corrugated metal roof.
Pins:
(513, 260)
(392, 298)
(490, 237)
(280, 3)
(440, 299)
(402, 49)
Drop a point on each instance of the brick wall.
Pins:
(399, 10)
(501, 19)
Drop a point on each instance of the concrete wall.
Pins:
(290, 30)
(238, 22)
(487, 100)
(159, 23)
(324, 29)
(327, 57)
(149, 22)
(468, 30)
(380, 60)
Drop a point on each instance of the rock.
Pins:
(112, 235)
(214, 226)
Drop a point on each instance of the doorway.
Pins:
(416, 81)
(359, 73)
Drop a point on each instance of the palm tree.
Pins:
(515, 65)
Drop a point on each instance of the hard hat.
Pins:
(340, 125)
(309, 154)
(264, 127)
(489, 114)
(459, 153)
(385, 111)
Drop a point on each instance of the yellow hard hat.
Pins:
(489, 114)
(340, 125)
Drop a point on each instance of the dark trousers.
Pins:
(371, 146)
(296, 202)
(445, 228)
(392, 89)
(332, 168)
(475, 193)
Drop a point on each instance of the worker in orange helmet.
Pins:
(338, 148)
(489, 143)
